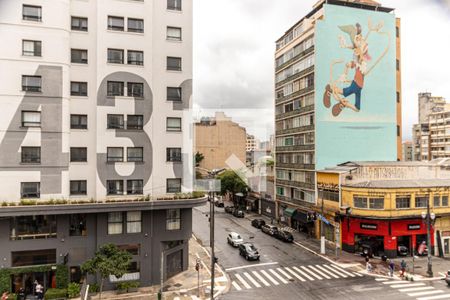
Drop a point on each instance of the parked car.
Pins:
(238, 213)
(370, 247)
(269, 229)
(402, 250)
(284, 235)
(258, 223)
(447, 277)
(248, 251)
(234, 239)
(218, 203)
(229, 209)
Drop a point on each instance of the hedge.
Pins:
(55, 294)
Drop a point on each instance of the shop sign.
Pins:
(413, 226)
(368, 226)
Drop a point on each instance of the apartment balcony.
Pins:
(295, 130)
(295, 112)
(297, 202)
(294, 76)
(295, 95)
(296, 58)
(304, 185)
(296, 166)
(309, 147)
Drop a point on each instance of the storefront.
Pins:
(385, 235)
(268, 207)
(252, 203)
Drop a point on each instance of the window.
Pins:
(134, 221)
(77, 225)
(174, 185)
(76, 275)
(398, 97)
(135, 89)
(115, 122)
(115, 56)
(115, 223)
(398, 65)
(135, 25)
(376, 203)
(359, 202)
(31, 83)
(115, 88)
(135, 122)
(174, 63)
(78, 154)
(135, 154)
(174, 154)
(133, 249)
(444, 200)
(436, 201)
(114, 154)
(115, 23)
(422, 201)
(31, 118)
(78, 187)
(79, 56)
(173, 33)
(78, 121)
(397, 31)
(402, 202)
(33, 257)
(31, 48)
(31, 155)
(33, 227)
(173, 124)
(398, 130)
(173, 93)
(174, 4)
(173, 219)
(135, 187)
(79, 24)
(78, 88)
(30, 189)
(135, 58)
(32, 13)
(114, 187)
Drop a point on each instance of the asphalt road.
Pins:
(287, 271)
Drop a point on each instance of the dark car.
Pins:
(284, 235)
(229, 209)
(370, 248)
(258, 223)
(238, 213)
(248, 251)
(218, 203)
(269, 229)
(402, 250)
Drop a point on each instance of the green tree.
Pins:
(108, 260)
(232, 183)
(198, 158)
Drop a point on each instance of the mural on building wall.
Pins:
(355, 86)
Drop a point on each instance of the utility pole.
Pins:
(161, 289)
(322, 237)
(211, 241)
(429, 270)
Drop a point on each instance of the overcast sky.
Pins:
(234, 44)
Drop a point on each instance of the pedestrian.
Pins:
(402, 268)
(271, 220)
(39, 291)
(5, 296)
(391, 268)
(367, 259)
(368, 267)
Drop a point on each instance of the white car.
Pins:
(234, 239)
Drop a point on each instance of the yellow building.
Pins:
(218, 139)
(382, 204)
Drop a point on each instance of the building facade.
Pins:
(407, 151)
(334, 102)
(96, 100)
(219, 138)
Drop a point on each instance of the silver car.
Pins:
(234, 239)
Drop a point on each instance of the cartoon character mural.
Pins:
(360, 63)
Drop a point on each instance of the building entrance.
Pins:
(25, 283)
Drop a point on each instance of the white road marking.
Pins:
(327, 271)
(236, 286)
(269, 277)
(425, 293)
(446, 296)
(260, 278)
(284, 273)
(396, 282)
(310, 272)
(295, 274)
(278, 276)
(343, 274)
(381, 279)
(417, 289)
(396, 286)
(251, 266)
(255, 283)
(244, 283)
(320, 272)
(303, 273)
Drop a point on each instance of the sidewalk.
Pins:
(184, 285)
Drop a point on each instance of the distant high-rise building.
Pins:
(407, 151)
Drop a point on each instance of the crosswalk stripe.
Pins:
(244, 283)
(417, 289)
(278, 276)
(310, 272)
(358, 274)
(255, 283)
(303, 273)
(327, 271)
(396, 286)
(260, 278)
(336, 271)
(344, 271)
(269, 277)
(284, 273)
(319, 272)
(396, 282)
(236, 286)
(381, 279)
(446, 296)
(425, 293)
(295, 274)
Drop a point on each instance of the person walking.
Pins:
(5, 296)
(402, 268)
(391, 268)
(39, 291)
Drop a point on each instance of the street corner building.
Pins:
(337, 98)
(384, 208)
(94, 142)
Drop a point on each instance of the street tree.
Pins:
(232, 183)
(198, 158)
(108, 260)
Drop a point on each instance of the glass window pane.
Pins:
(135, 25)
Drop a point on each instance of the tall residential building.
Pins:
(431, 136)
(218, 138)
(252, 143)
(94, 130)
(407, 151)
(337, 88)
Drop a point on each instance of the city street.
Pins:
(287, 271)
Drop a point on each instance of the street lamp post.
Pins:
(428, 218)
